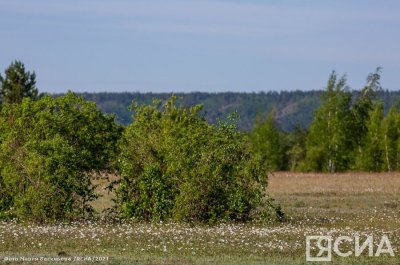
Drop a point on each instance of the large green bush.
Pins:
(48, 150)
(176, 166)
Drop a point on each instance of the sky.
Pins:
(200, 45)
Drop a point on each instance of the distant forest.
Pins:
(292, 108)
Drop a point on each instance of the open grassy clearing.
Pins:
(334, 204)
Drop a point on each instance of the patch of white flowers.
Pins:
(126, 236)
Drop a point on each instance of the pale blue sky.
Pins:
(200, 45)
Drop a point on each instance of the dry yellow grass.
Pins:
(105, 200)
(292, 182)
(356, 200)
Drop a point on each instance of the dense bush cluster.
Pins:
(175, 165)
(48, 150)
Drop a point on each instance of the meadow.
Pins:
(345, 204)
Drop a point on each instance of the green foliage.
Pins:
(329, 141)
(371, 153)
(48, 150)
(296, 151)
(363, 106)
(17, 84)
(268, 142)
(292, 107)
(354, 136)
(391, 139)
(175, 165)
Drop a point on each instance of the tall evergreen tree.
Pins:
(328, 143)
(17, 84)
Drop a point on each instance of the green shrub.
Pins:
(48, 150)
(176, 166)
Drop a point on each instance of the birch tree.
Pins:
(328, 143)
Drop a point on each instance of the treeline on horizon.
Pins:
(292, 108)
(332, 130)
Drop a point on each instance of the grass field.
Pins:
(315, 204)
